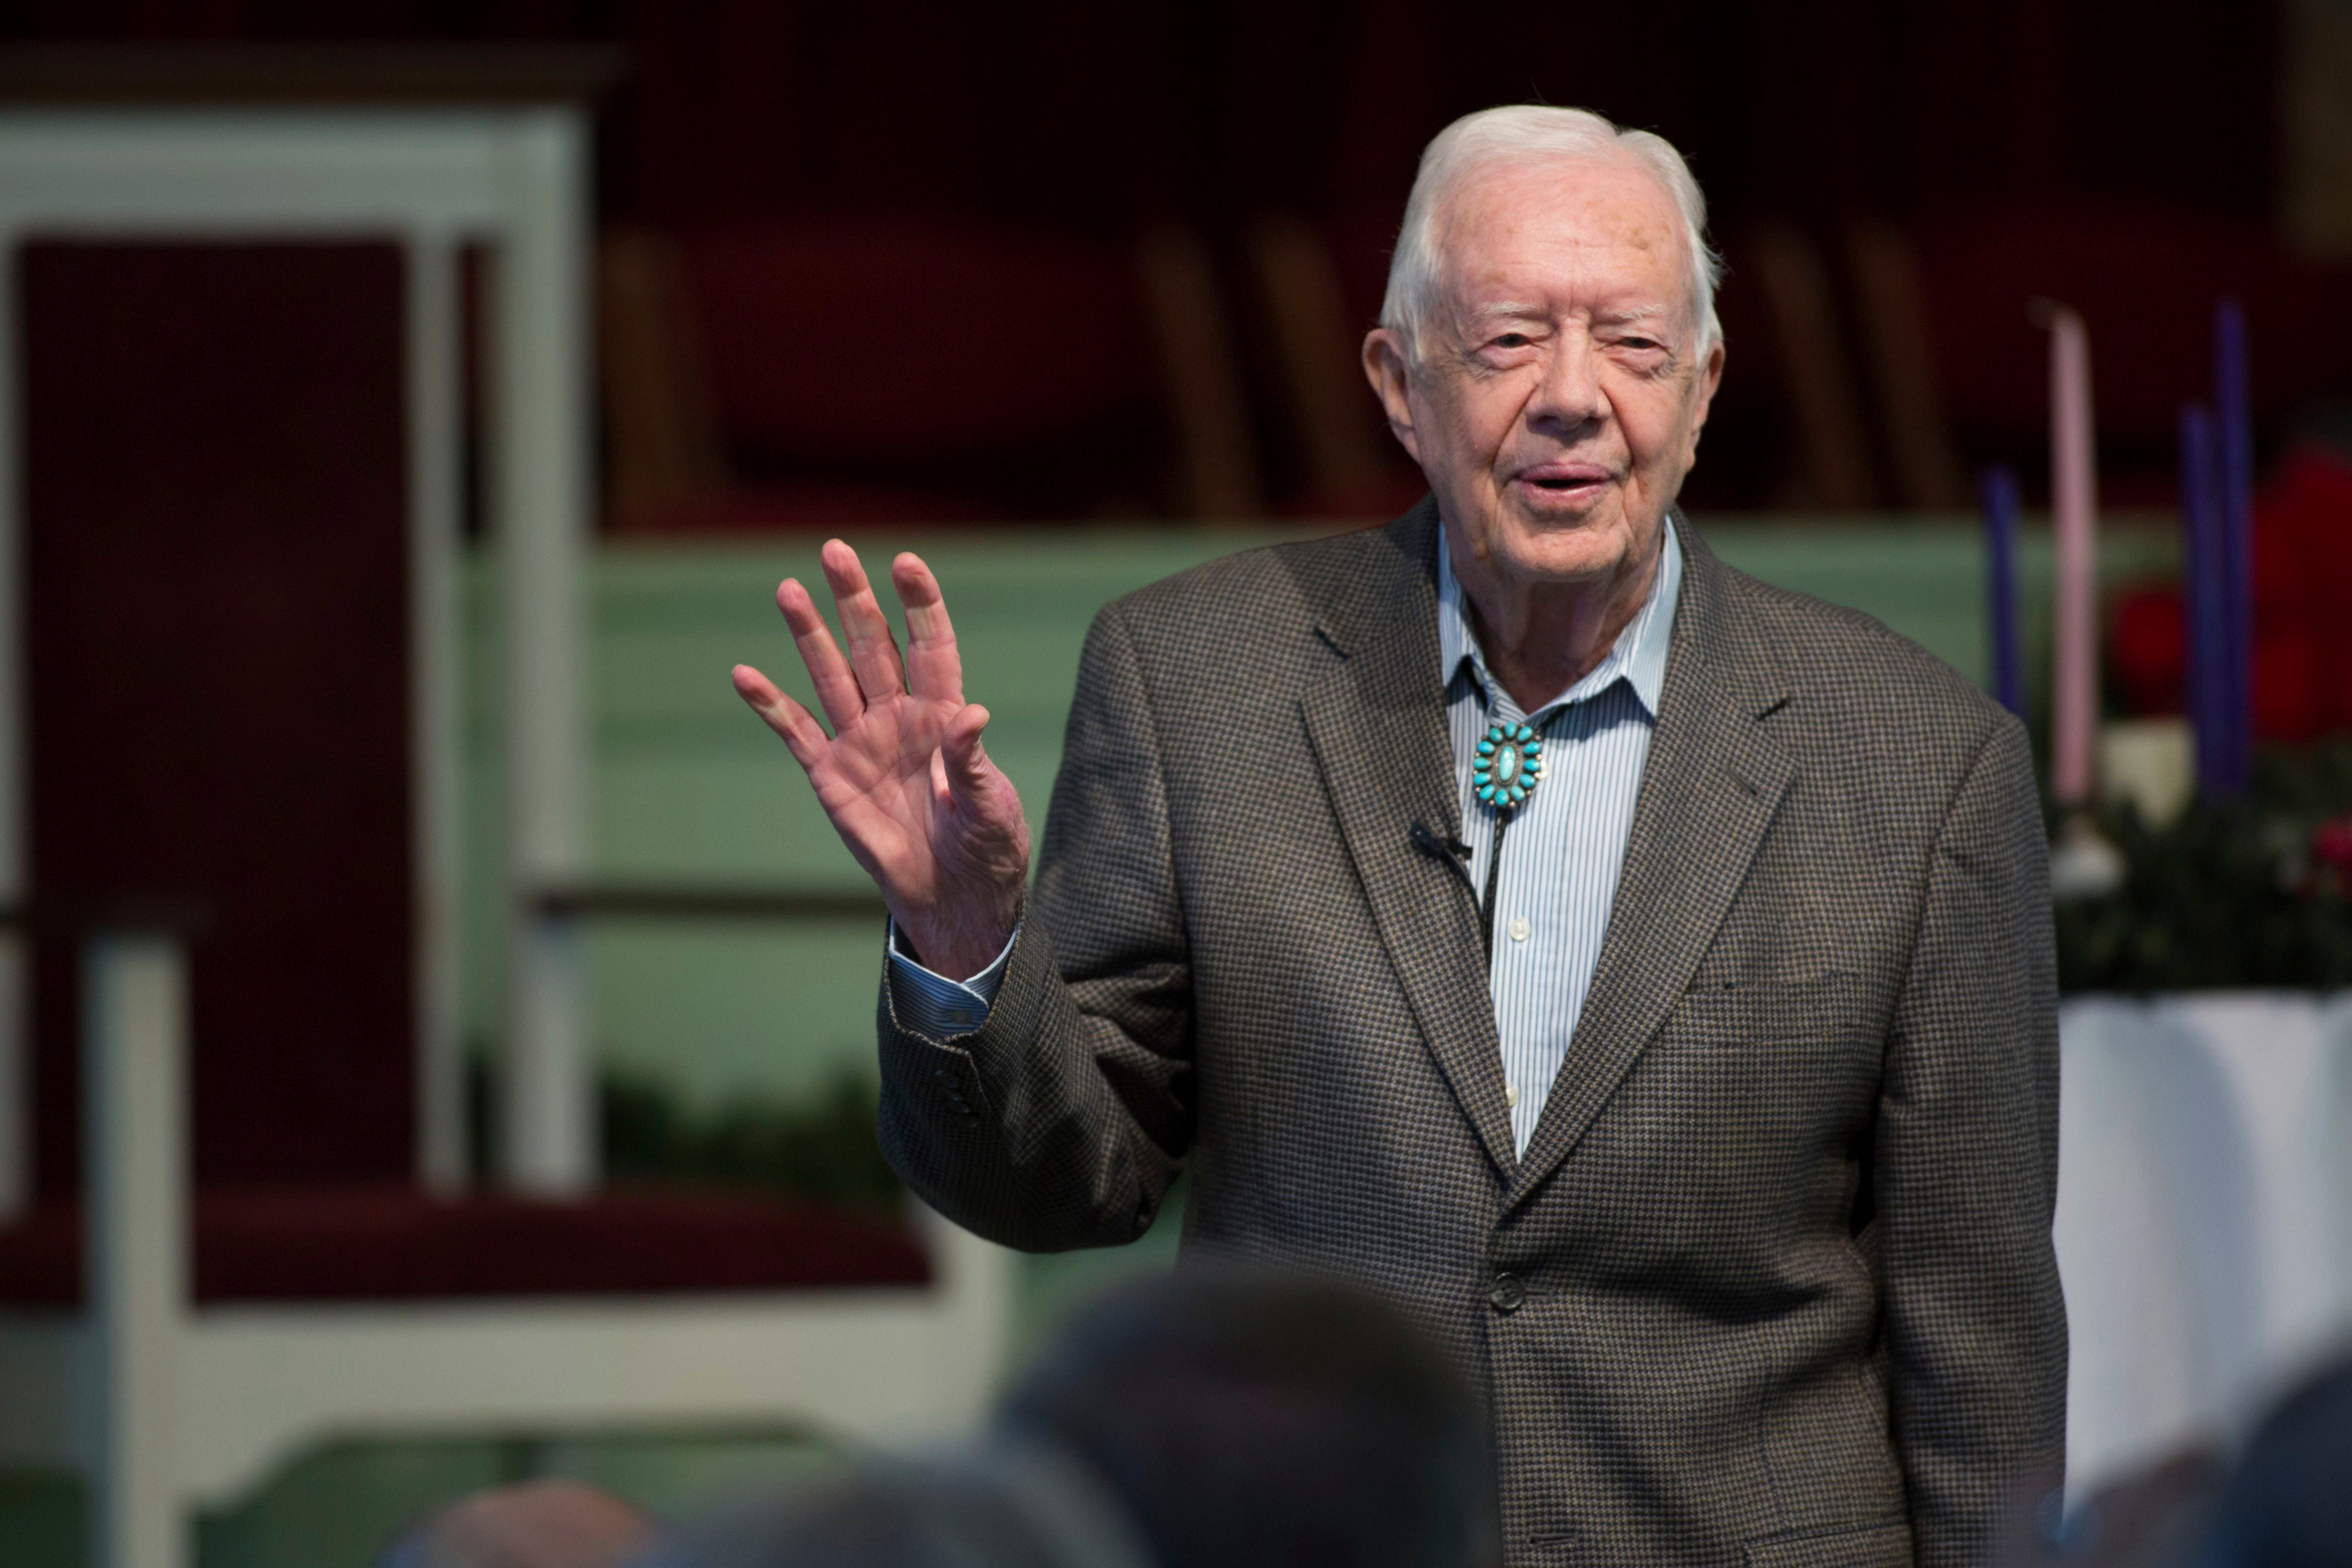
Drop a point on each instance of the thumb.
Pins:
(968, 767)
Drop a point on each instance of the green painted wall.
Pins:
(688, 786)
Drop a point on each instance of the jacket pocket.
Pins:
(1878, 1546)
(1828, 1005)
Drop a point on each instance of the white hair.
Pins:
(1526, 134)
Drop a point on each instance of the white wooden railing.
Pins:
(164, 1406)
(2204, 1223)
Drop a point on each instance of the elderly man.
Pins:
(1642, 975)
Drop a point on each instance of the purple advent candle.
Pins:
(2003, 660)
(2234, 483)
(2203, 601)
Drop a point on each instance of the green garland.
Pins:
(2241, 894)
(819, 1146)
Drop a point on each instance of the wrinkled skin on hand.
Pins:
(903, 775)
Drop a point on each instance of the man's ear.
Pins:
(1385, 368)
(1710, 376)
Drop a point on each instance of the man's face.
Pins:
(1559, 392)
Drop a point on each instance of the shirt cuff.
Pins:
(933, 1005)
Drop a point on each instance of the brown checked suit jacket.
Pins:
(1773, 1283)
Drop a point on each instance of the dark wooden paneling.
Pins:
(216, 569)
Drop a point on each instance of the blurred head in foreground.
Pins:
(2285, 1503)
(1208, 1419)
(537, 1524)
(2151, 1518)
(2289, 1503)
(992, 1505)
(1246, 1418)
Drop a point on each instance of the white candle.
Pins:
(2074, 505)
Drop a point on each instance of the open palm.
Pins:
(903, 777)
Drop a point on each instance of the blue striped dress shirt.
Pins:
(929, 1003)
(1561, 859)
(1567, 841)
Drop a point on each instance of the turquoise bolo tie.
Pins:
(1509, 765)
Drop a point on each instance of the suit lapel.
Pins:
(1377, 720)
(1710, 787)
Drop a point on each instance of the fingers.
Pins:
(934, 668)
(787, 718)
(873, 650)
(837, 688)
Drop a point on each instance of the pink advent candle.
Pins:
(2075, 524)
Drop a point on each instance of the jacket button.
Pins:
(1505, 1294)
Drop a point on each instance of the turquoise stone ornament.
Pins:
(1509, 763)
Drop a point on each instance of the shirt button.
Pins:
(1511, 1095)
(1519, 928)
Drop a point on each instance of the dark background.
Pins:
(1093, 117)
(1101, 121)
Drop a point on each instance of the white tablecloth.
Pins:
(2204, 1223)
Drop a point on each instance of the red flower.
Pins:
(2302, 576)
(2331, 847)
(2147, 649)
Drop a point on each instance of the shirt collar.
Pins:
(1638, 656)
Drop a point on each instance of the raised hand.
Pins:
(903, 777)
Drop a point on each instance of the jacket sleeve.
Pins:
(1061, 1120)
(1966, 1167)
